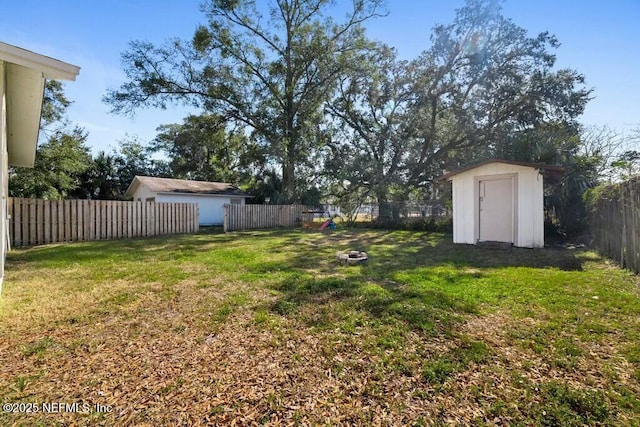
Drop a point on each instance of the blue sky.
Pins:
(600, 39)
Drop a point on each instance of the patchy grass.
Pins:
(267, 328)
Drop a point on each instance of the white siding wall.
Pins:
(464, 209)
(531, 209)
(4, 173)
(529, 212)
(143, 193)
(211, 207)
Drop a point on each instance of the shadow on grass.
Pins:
(388, 250)
(410, 276)
(431, 311)
(443, 282)
(144, 249)
(393, 250)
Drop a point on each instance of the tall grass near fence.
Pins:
(614, 220)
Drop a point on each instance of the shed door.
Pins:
(496, 210)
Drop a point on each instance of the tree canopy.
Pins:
(201, 148)
(484, 88)
(62, 156)
(372, 114)
(271, 74)
(294, 99)
(58, 168)
(483, 79)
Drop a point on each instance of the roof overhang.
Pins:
(549, 170)
(186, 193)
(24, 76)
(137, 182)
(50, 68)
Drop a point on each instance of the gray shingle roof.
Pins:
(169, 185)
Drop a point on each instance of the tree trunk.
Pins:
(385, 213)
(288, 159)
(289, 174)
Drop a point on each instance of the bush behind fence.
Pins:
(439, 224)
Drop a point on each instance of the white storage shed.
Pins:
(500, 201)
(209, 196)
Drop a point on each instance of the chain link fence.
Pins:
(395, 215)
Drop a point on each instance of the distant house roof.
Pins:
(24, 75)
(553, 171)
(183, 186)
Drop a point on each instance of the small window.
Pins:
(150, 199)
(236, 201)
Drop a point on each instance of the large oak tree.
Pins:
(483, 79)
(484, 88)
(371, 112)
(269, 69)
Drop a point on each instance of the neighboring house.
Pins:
(332, 210)
(22, 78)
(500, 201)
(209, 196)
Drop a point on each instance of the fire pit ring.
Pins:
(353, 257)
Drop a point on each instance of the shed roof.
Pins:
(183, 186)
(24, 75)
(553, 171)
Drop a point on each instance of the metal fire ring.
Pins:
(353, 257)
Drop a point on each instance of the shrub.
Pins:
(433, 224)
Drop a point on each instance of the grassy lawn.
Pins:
(267, 328)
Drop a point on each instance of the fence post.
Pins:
(225, 219)
(15, 218)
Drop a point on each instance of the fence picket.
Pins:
(614, 221)
(33, 238)
(25, 223)
(34, 222)
(16, 220)
(53, 204)
(122, 224)
(252, 217)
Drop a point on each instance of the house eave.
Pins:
(24, 78)
(50, 68)
(23, 96)
(187, 193)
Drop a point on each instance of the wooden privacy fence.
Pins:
(253, 217)
(36, 222)
(614, 220)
